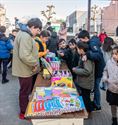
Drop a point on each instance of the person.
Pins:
(5, 49)
(85, 75)
(102, 36)
(96, 39)
(94, 54)
(41, 40)
(49, 27)
(26, 60)
(110, 77)
(12, 38)
(13, 35)
(52, 43)
(107, 48)
(63, 31)
(71, 56)
(62, 46)
(107, 52)
(76, 37)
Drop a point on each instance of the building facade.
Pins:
(110, 18)
(76, 20)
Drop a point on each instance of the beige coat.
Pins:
(25, 55)
(63, 34)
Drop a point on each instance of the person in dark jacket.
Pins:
(52, 43)
(5, 49)
(49, 27)
(11, 39)
(94, 54)
(96, 39)
(71, 56)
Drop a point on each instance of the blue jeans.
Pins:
(4, 73)
(97, 97)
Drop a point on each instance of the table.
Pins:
(75, 118)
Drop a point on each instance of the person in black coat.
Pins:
(71, 56)
(52, 43)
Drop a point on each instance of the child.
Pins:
(62, 45)
(41, 40)
(85, 73)
(94, 54)
(71, 56)
(52, 42)
(110, 76)
(107, 52)
(5, 49)
(107, 48)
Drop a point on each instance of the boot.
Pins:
(5, 81)
(114, 121)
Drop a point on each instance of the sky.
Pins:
(32, 8)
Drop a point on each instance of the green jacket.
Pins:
(25, 55)
(85, 74)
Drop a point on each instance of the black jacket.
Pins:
(72, 59)
(52, 42)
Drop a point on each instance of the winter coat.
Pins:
(111, 75)
(63, 34)
(106, 55)
(25, 54)
(52, 43)
(102, 36)
(97, 40)
(85, 74)
(5, 47)
(41, 46)
(11, 39)
(72, 58)
(95, 54)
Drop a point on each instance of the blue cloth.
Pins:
(20, 25)
(97, 97)
(11, 37)
(4, 73)
(96, 40)
(95, 54)
(5, 47)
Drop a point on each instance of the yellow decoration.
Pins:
(63, 81)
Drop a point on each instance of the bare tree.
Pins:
(48, 14)
(95, 12)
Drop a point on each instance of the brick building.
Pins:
(110, 18)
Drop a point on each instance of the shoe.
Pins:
(21, 116)
(103, 88)
(95, 108)
(5, 81)
(114, 121)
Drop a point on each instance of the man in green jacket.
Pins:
(26, 60)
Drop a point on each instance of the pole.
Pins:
(101, 19)
(89, 15)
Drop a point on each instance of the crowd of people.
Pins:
(93, 61)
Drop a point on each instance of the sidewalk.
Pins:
(9, 107)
